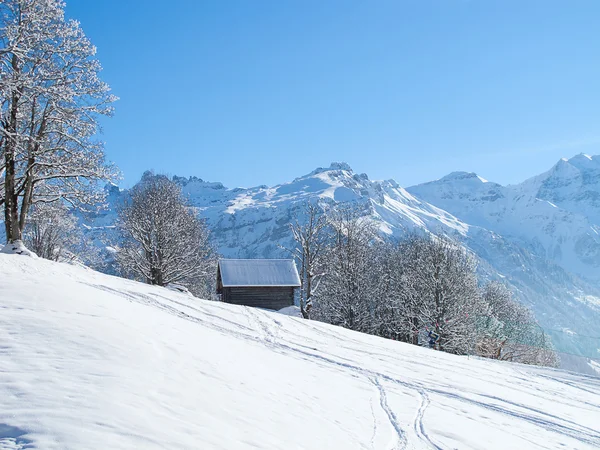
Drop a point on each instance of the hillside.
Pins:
(92, 361)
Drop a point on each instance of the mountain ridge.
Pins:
(550, 209)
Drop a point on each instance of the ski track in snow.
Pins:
(582, 434)
(571, 429)
(401, 439)
(574, 385)
(374, 425)
(418, 424)
(270, 339)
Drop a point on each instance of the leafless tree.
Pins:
(398, 302)
(165, 241)
(510, 332)
(441, 276)
(310, 232)
(345, 295)
(52, 232)
(50, 101)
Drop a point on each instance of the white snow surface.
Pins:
(293, 311)
(17, 248)
(90, 361)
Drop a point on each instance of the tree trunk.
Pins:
(11, 198)
(33, 149)
(308, 294)
(157, 278)
(413, 338)
(11, 206)
(27, 196)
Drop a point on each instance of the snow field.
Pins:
(89, 361)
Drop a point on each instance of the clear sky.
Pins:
(252, 92)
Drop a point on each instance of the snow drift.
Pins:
(89, 361)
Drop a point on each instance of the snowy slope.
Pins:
(89, 361)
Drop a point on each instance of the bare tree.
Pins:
(398, 301)
(50, 101)
(310, 230)
(443, 278)
(52, 232)
(165, 241)
(510, 332)
(346, 294)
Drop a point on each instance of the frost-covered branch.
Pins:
(165, 242)
(50, 100)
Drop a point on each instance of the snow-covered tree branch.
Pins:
(309, 230)
(165, 242)
(422, 290)
(50, 100)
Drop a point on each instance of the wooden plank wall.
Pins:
(260, 297)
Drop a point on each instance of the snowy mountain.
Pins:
(555, 215)
(91, 361)
(546, 252)
(254, 222)
(573, 185)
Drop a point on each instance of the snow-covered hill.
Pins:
(89, 361)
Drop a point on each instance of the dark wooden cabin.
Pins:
(262, 283)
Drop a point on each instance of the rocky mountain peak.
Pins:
(334, 166)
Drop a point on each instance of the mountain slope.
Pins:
(255, 222)
(572, 184)
(554, 215)
(550, 224)
(92, 361)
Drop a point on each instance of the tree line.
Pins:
(408, 290)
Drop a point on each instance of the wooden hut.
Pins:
(262, 283)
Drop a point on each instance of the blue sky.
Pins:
(252, 92)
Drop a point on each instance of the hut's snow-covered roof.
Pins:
(258, 272)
